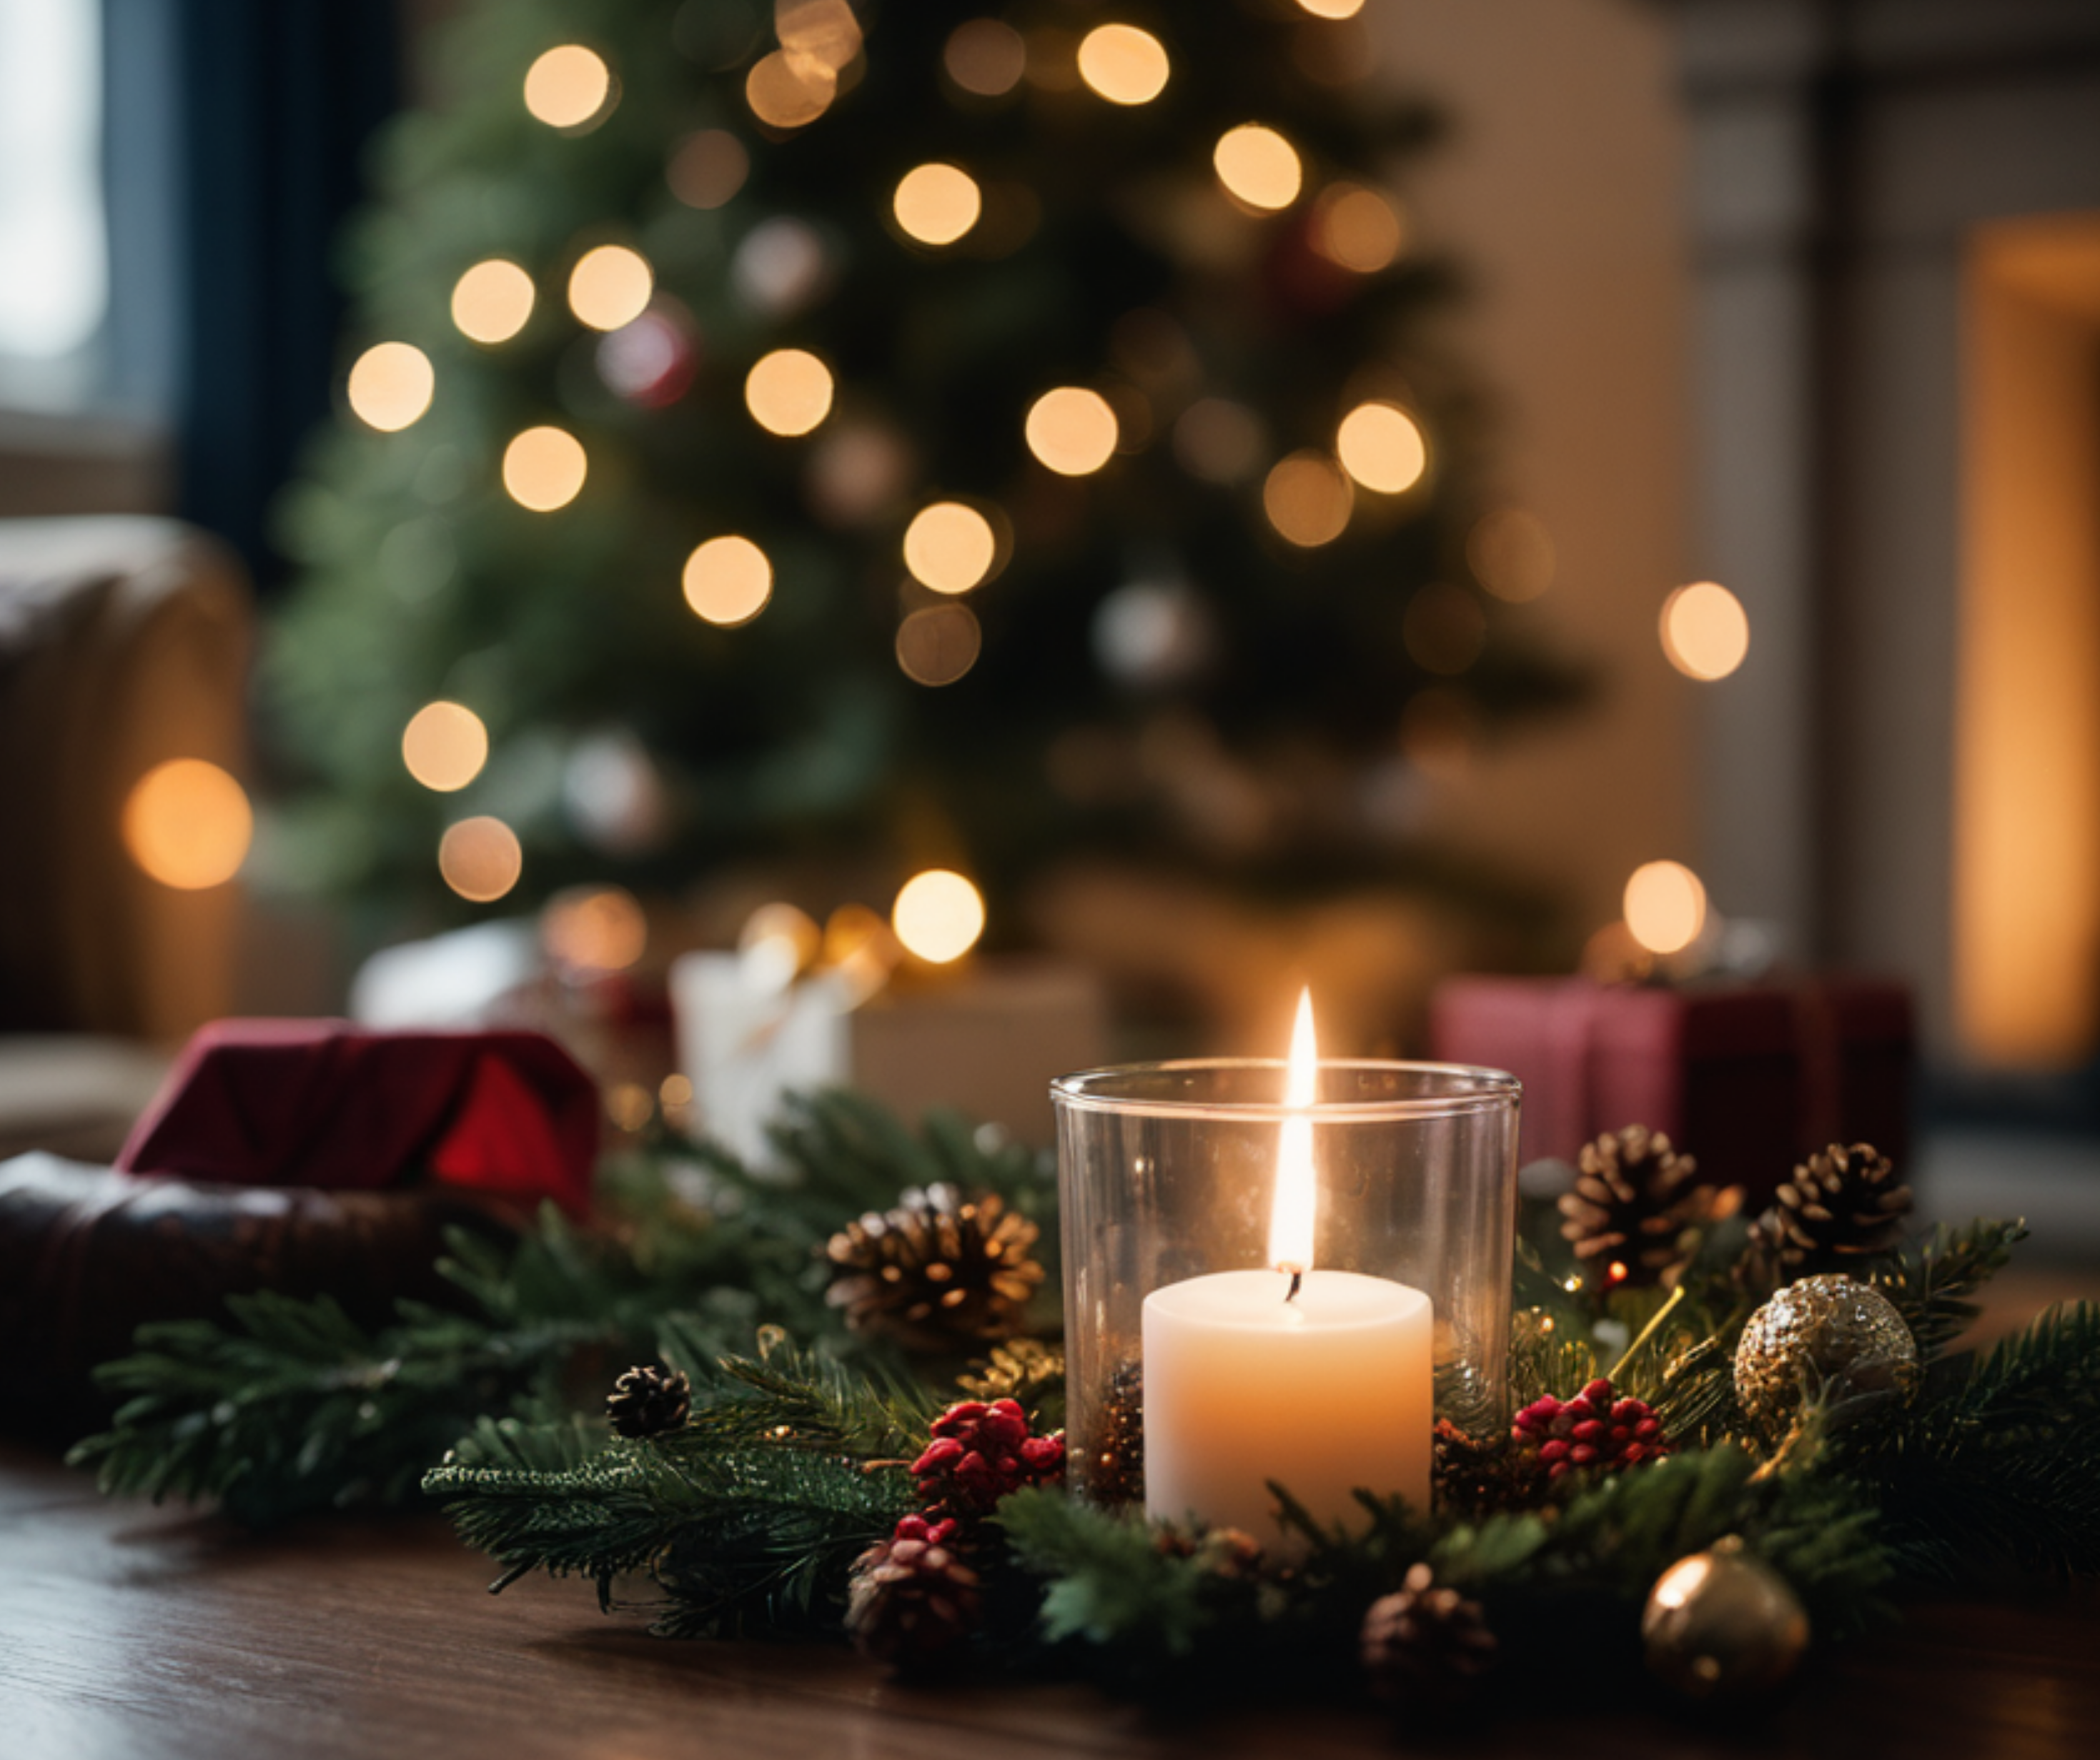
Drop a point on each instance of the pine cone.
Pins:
(1841, 1206)
(1477, 1477)
(648, 1403)
(1596, 1429)
(912, 1597)
(940, 1272)
(979, 1453)
(1634, 1208)
(1423, 1646)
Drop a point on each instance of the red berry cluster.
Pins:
(1593, 1429)
(980, 1452)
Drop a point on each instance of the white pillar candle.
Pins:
(1317, 1379)
(1324, 1394)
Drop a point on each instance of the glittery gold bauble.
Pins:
(1824, 1334)
(1723, 1624)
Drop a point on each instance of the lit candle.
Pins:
(1318, 1380)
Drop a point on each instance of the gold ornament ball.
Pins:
(1723, 1626)
(1826, 1333)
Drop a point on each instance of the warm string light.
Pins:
(1307, 499)
(480, 858)
(568, 87)
(985, 57)
(187, 823)
(1123, 64)
(728, 581)
(1664, 906)
(601, 929)
(937, 203)
(1357, 228)
(939, 644)
(950, 547)
(491, 301)
(938, 916)
(543, 468)
(1072, 430)
(610, 287)
(1380, 446)
(784, 95)
(788, 392)
(1705, 632)
(1258, 166)
(1332, 9)
(390, 386)
(444, 746)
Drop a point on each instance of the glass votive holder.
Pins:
(1196, 1370)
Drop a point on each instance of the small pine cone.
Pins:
(648, 1403)
(1635, 1210)
(1841, 1206)
(1594, 1429)
(1477, 1477)
(980, 1452)
(912, 1597)
(1423, 1646)
(939, 1272)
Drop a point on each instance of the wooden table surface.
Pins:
(131, 1633)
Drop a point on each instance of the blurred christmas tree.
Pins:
(896, 432)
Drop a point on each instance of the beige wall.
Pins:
(1558, 193)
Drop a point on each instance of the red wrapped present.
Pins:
(324, 1104)
(1748, 1077)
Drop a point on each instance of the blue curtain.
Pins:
(235, 140)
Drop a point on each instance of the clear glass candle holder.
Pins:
(1168, 1176)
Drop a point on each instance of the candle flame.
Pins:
(1290, 1221)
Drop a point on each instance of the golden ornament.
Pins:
(1829, 1336)
(1723, 1624)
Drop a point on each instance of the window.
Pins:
(54, 233)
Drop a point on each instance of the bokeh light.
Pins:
(1380, 446)
(787, 91)
(610, 287)
(480, 858)
(728, 581)
(1357, 228)
(938, 915)
(1705, 632)
(778, 942)
(1332, 9)
(1511, 553)
(491, 301)
(1123, 63)
(1072, 430)
(1444, 629)
(939, 644)
(937, 203)
(788, 392)
(567, 86)
(817, 32)
(1664, 906)
(543, 468)
(1307, 499)
(595, 929)
(708, 169)
(444, 745)
(985, 56)
(950, 547)
(1218, 440)
(390, 385)
(860, 950)
(1258, 166)
(187, 825)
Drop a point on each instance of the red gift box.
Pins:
(1749, 1078)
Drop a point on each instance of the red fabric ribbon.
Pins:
(325, 1104)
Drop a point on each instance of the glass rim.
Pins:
(1486, 1090)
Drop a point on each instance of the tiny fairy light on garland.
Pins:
(1749, 1477)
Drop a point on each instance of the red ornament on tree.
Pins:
(1594, 1429)
(980, 1452)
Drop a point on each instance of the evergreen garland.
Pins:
(798, 1458)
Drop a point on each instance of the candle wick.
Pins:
(1297, 1280)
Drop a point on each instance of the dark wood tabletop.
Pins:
(132, 1633)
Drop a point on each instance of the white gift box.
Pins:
(986, 1042)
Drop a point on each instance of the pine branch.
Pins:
(1110, 1584)
(1929, 1285)
(788, 1397)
